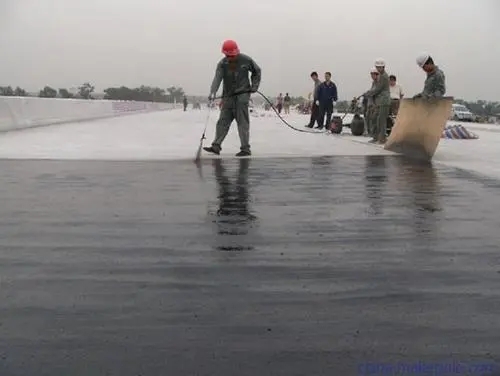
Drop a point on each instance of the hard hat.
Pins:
(374, 70)
(380, 63)
(422, 59)
(230, 48)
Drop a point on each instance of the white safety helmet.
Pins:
(374, 70)
(379, 63)
(421, 59)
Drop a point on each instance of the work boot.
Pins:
(373, 140)
(308, 126)
(244, 153)
(212, 150)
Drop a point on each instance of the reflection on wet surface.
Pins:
(233, 217)
(245, 267)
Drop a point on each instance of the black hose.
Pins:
(272, 106)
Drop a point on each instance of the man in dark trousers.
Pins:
(314, 106)
(233, 71)
(327, 95)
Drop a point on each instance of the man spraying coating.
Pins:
(434, 86)
(233, 71)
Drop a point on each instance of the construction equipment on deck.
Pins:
(357, 124)
(418, 127)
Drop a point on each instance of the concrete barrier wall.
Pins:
(29, 112)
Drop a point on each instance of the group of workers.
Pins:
(233, 72)
(324, 97)
(283, 103)
(378, 102)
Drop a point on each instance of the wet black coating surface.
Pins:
(300, 267)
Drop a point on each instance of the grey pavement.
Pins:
(322, 266)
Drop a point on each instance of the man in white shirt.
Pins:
(314, 106)
(396, 94)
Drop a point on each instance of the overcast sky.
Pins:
(63, 43)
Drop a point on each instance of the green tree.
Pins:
(150, 94)
(85, 91)
(175, 94)
(119, 93)
(19, 92)
(64, 93)
(142, 94)
(6, 91)
(297, 100)
(47, 92)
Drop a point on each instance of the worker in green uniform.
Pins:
(381, 95)
(233, 72)
(435, 85)
(370, 110)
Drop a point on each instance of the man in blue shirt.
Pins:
(327, 95)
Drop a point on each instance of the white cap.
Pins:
(374, 70)
(421, 59)
(380, 62)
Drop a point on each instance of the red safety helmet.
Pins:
(230, 48)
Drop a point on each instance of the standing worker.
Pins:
(396, 94)
(286, 103)
(314, 106)
(185, 102)
(369, 106)
(233, 71)
(279, 103)
(327, 95)
(381, 95)
(435, 86)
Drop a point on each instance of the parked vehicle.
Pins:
(461, 113)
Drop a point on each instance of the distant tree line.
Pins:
(86, 91)
(297, 100)
(143, 93)
(8, 91)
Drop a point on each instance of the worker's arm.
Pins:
(256, 73)
(219, 74)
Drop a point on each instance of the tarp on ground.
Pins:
(458, 132)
